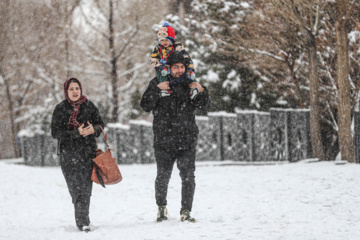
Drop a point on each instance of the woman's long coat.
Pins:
(76, 152)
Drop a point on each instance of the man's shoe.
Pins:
(185, 216)
(86, 229)
(162, 214)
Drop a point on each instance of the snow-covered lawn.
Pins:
(298, 201)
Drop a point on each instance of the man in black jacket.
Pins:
(173, 105)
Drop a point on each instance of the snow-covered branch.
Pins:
(123, 48)
(87, 20)
(264, 53)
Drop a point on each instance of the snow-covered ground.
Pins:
(297, 201)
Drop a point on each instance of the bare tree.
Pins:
(343, 13)
(118, 32)
(305, 14)
(180, 8)
(278, 31)
(15, 91)
(70, 7)
(31, 62)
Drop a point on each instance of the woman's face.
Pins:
(74, 91)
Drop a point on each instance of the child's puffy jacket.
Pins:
(158, 55)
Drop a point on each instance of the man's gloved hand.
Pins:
(194, 92)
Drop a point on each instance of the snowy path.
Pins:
(299, 201)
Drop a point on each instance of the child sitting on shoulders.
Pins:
(163, 50)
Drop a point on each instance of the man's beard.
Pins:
(182, 79)
(179, 74)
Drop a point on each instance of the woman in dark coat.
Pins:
(74, 124)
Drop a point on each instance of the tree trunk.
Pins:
(316, 141)
(115, 97)
(67, 52)
(182, 12)
(344, 112)
(4, 39)
(67, 38)
(68, 14)
(180, 8)
(14, 127)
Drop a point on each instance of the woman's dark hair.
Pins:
(73, 80)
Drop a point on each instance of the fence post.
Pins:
(142, 137)
(223, 127)
(34, 151)
(147, 143)
(205, 143)
(299, 135)
(290, 134)
(229, 136)
(245, 140)
(122, 142)
(253, 136)
(48, 155)
(26, 149)
(261, 135)
(279, 134)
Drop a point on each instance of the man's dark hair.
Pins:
(176, 57)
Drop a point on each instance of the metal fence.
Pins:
(278, 135)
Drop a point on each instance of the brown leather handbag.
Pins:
(105, 170)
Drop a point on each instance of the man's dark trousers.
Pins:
(185, 159)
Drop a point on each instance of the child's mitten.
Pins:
(191, 75)
(165, 71)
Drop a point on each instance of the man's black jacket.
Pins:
(174, 123)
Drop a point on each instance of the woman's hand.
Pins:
(86, 131)
(89, 129)
(81, 129)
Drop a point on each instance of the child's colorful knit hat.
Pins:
(166, 32)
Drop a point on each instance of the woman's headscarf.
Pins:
(72, 121)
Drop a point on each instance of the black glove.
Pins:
(194, 92)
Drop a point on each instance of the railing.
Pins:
(278, 135)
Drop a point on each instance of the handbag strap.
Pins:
(105, 136)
